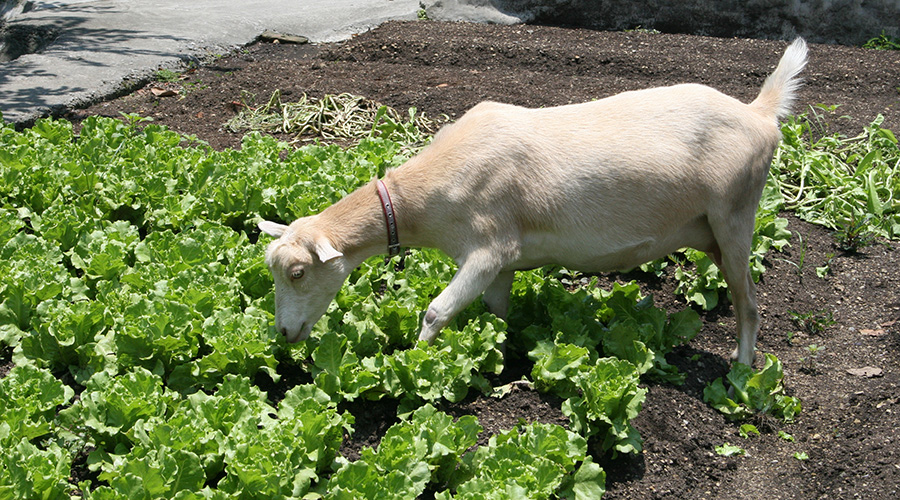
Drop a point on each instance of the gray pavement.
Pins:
(104, 43)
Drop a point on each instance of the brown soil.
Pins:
(848, 422)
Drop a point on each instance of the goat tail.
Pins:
(780, 88)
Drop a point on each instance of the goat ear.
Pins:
(325, 251)
(273, 229)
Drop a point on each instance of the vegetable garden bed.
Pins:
(139, 359)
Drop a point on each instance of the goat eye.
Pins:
(297, 273)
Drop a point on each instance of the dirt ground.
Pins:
(848, 423)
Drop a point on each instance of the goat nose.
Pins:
(284, 331)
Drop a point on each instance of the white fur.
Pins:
(598, 186)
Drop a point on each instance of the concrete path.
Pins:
(104, 43)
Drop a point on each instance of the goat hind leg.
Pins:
(733, 258)
(496, 296)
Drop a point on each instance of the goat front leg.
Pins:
(474, 276)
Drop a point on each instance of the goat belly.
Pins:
(582, 252)
(611, 250)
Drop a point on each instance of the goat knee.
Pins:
(431, 325)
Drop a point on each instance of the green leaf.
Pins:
(241, 343)
(716, 395)
(623, 342)
(235, 404)
(33, 272)
(364, 480)
(411, 454)
(748, 429)
(281, 458)
(829, 180)
(681, 328)
(329, 356)
(727, 450)
(589, 481)
(158, 334)
(161, 473)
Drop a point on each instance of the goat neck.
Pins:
(356, 225)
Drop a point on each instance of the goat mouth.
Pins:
(301, 334)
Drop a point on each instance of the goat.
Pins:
(599, 186)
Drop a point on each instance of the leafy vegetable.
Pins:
(634, 330)
(609, 398)
(446, 369)
(284, 457)
(239, 344)
(69, 335)
(603, 395)
(234, 435)
(535, 461)
(760, 391)
(28, 471)
(426, 448)
(556, 366)
(637, 323)
(33, 272)
(132, 268)
(105, 254)
(160, 473)
(109, 408)
(29, 397)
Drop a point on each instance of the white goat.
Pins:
(599, 186)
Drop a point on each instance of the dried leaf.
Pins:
(867, 372)
(158, 92)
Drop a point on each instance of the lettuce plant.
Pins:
(29, 397)
(533, 461)
(424, 449)
(609, 398)
(31, 471)
(131, 264)
(753, 391)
